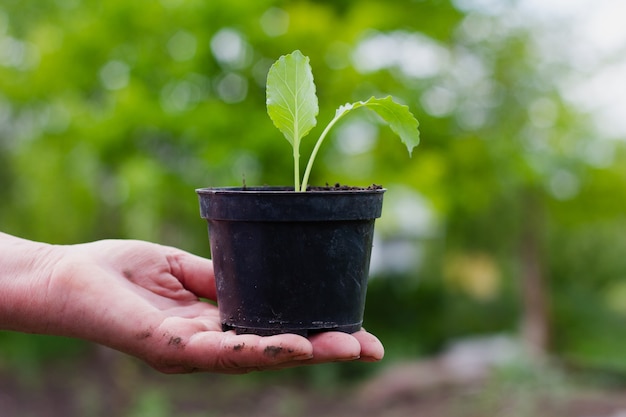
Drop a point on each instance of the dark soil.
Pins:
(339, 187)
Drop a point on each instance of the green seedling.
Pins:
(292, 105)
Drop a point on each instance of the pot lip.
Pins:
(281, 204)
(289, 190)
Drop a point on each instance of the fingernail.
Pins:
(349, 359)
(303, 357)
(370, 359)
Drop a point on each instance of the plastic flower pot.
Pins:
(290, 262)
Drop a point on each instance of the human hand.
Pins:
(143, 299)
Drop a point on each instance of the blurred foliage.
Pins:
(112, 113)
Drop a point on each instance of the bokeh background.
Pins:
(498, 279)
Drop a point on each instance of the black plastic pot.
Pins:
(288, 262)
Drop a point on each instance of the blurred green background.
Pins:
(507, 220)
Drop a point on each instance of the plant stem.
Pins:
(307, 172)
(296, 169)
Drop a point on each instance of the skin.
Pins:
(143, 299)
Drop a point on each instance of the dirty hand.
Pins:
(143, 299)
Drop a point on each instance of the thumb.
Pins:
(194, 272)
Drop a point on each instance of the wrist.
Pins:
(25, 272)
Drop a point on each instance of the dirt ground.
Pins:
(106, 383)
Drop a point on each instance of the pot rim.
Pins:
(289, 190)
(280, 204)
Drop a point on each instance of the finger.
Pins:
(372, 349)
(194, 272)
(334, 347)
(230, 353)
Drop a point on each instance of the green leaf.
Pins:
(398, 116)
(291, 99)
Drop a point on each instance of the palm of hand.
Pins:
(143, 299)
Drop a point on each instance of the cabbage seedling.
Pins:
(292, 105)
